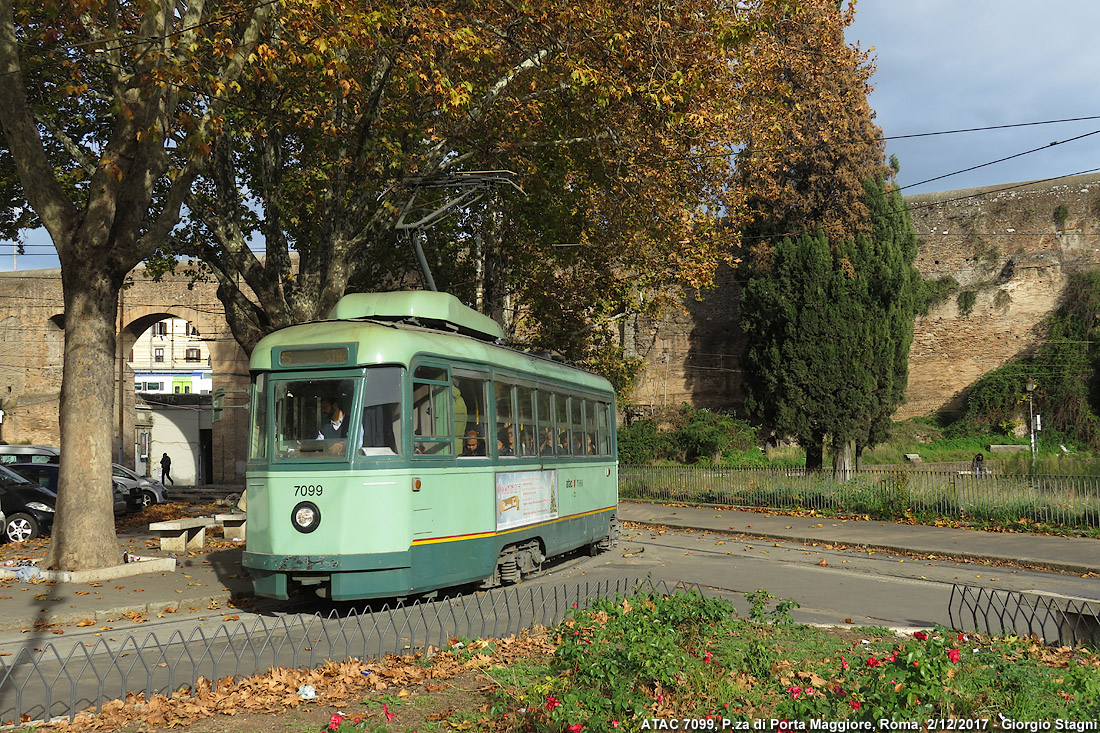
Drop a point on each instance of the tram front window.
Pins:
(312, 419)
(382, 412)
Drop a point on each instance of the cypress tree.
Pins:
(829, 325)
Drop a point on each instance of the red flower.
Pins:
(551, 702)
(873, 661)
(706, 657)
(892, 658)
(575, 728)
(953, 655)
(357, 720)
(389, 716)
(856, 705)
(794, 692)
(335, 721)
(614, 724)
(920, 636)
(843, 662)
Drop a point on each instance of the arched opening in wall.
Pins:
(172, 386)
(55, 342)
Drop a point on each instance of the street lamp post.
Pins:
(1030, 387)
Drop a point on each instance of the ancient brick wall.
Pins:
(32, 346)
(1003, 244)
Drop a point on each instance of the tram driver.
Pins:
(334, 424)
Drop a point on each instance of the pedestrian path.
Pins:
(1068, 554)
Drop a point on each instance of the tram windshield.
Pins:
(314, 421)
(312, 418)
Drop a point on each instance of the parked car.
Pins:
(152, 491)
(29, 454)
(45, 474)
(29, 507)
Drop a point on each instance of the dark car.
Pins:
(45, 474)
(28, 507)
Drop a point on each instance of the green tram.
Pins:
(395, 449)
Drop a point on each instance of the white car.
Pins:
(152, 491)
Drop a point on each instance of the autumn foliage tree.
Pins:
(811, 137)
(615, 117)
(109, 109)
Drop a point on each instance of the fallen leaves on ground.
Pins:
(336, 683)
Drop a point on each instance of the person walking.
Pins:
(166, 470)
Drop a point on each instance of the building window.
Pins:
(160, 328)
(186, 389)
(192, 355)
(158, 354)
(177, 389)
(139, 386)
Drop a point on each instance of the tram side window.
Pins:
(603, 428)
(257, 445)
(576, 419)
(382, 412)
(527, 432)
(547, 439)
(591, 443)
(431, 412)
(311, 418)
(505, 425)
(471, 416)
(561, 410)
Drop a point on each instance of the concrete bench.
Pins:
(232, 525)
(181, 535)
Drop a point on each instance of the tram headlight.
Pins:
(306, 516)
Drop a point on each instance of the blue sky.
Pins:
(956, 64)
(948, 65)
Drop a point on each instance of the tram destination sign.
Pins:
(329, 355)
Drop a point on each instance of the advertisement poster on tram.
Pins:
(526, 497)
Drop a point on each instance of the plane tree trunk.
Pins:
(84, 528)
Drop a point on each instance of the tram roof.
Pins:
(443, 328)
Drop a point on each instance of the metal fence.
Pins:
(1065, 500)
(42, 681)
(1055, 619)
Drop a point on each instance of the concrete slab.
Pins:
(137, 566)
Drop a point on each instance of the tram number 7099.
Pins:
(309, 490)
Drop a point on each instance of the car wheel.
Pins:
(148, 498)
(21, 527)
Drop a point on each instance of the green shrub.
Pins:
(939, 290)
(639, 442)
(700, 434)
(1061, 213)
(695, 435)
(966, 301)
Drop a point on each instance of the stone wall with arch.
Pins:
(31, 347)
